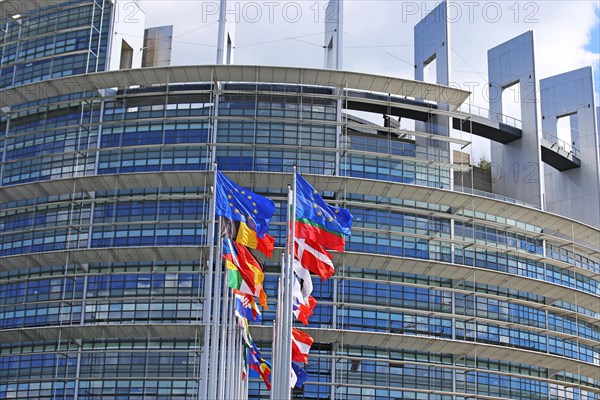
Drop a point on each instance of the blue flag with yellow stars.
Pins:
(240, 204)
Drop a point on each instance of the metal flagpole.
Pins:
(288, 296)
(223, 346)
(277, 334)
(244, 395)
(239, 362)
(208, 286)
(232, 351)
(216, 334)
(284, 352)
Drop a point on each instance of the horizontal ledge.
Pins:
(458, 272)
(553, 291)
(438, 345)
(347, 337)
(456, 201)
(468, 318)
(101, 331)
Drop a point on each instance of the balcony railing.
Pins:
(558, 144)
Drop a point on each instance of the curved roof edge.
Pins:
(232, 73)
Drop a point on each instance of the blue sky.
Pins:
(594, 44)
(594, 47)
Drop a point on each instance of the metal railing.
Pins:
(489, 195)
(557, 143)
(472, 109)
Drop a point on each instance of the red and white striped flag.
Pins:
(314, 257)
(301, 343)
(304, 275)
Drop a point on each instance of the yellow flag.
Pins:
(246, 236)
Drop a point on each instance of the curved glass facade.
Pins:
(104, 233)
(54, 40)
(101, 291)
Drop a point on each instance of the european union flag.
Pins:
(240, 204)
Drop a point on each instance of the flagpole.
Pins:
(244, 370)
(241, 366)
(215, 366)
(236, 363)
(223, 345)
(288, 298)
(232, 351)
(275, 351)
(245, 384)
(284, 352)
(208, 286)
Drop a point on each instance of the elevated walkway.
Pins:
(558, 155)
(469, 118)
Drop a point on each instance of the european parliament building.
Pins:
(452, 286)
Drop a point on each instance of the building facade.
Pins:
(62, 39)
(440, 294)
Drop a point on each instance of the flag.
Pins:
(244, 271)
(248, 237)
(244, 368)
(252, 356)
(259, 292)
(297, 376)
(246, 337)
(239, 232)
(318, 221)
(235, 281)
(250, 269)
(247, 260)
(231, 255)
(240, 204)
(245, 307)
(314, 258)
(303, 307)
(304, 311)
(258, 363)
(301, 343)
(304, 275)
(262, 297)
(247, 343)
